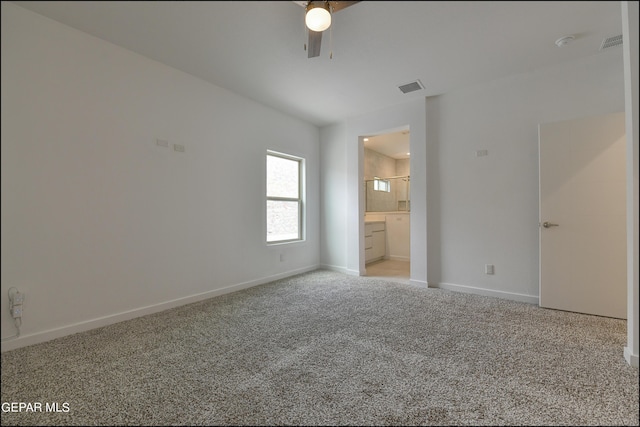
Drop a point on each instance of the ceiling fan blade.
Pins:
(339, 5)
(313, 47)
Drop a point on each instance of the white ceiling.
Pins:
(256, 48)
(394, 144)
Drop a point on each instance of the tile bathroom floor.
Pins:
(395, 270)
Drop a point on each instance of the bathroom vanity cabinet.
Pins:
(374, 241)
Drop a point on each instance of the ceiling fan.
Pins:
(318, 19)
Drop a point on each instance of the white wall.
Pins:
(377, 164)
(342, 190)
(100, 224)
(334, 202)
(631, 64)
(481, 210)
(484, 210)
(403, 167)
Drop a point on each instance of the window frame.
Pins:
(380, 184)
(300, 200)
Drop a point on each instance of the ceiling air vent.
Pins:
(411, 87)
(611, 42)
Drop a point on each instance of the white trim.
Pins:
(420, 283)
(632, 359)
(343, 270)
(300, 200)
(531, 299)
(631, 107)
(39, 337)
(338, 269)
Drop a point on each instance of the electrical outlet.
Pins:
(488, 269)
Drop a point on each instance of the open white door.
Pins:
(583, 215)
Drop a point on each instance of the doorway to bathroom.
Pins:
(387, 198)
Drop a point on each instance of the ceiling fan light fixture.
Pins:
(318, 17)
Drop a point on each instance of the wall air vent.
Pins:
(411, 87)
(611, 42)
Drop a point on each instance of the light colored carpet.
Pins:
(324, 348)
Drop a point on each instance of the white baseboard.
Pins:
(531, 299)
(39, 337)
(421, 283)
(338, 269)
(632, 359)
(399, 258)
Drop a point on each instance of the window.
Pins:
(381, 185)
(284, 198)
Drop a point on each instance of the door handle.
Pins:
(547, 224)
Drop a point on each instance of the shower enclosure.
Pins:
(388, 194)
